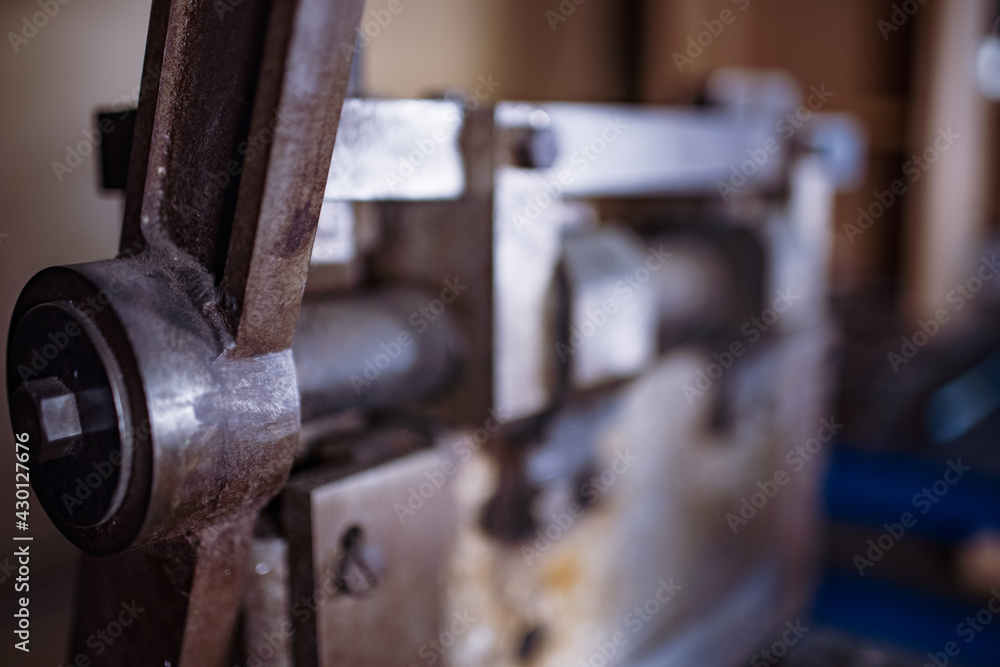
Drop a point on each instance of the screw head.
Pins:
(536, 148)
(51, 405)
(63, 395)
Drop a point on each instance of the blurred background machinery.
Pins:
(573, 381)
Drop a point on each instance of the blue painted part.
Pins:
(874, 489)
(903, 617)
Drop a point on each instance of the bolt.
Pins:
(57, 416)
(536, 148)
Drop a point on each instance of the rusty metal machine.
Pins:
(415, 382)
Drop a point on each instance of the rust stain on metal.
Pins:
(562, 573)
(300, 234)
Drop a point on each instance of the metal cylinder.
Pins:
(374, 351)
(139, 426)
(139, 423)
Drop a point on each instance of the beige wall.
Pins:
(433, 44)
